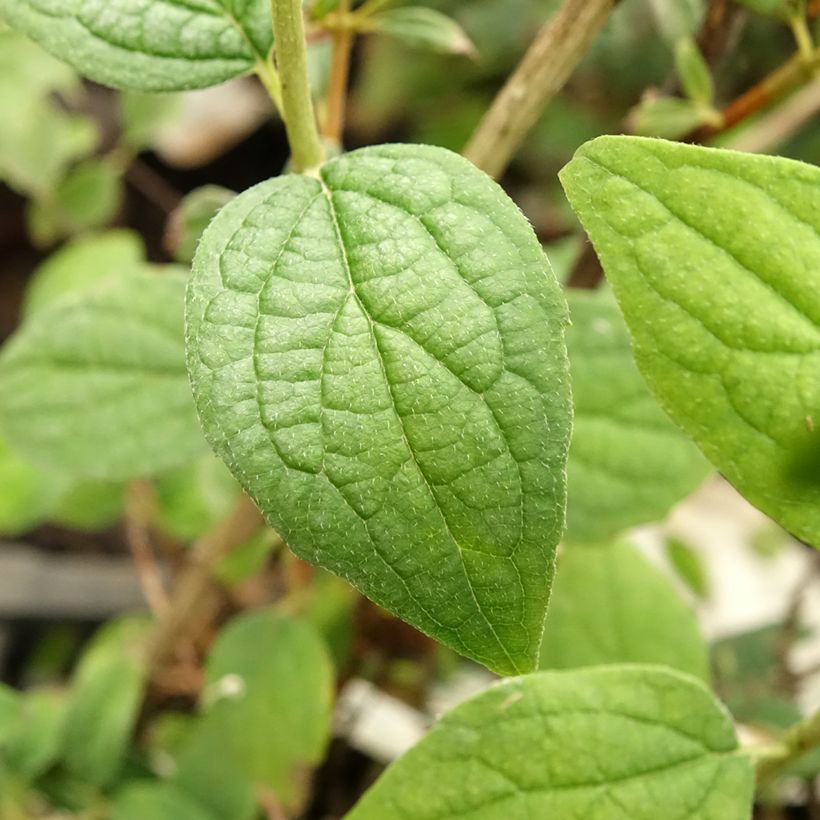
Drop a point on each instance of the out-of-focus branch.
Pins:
(190, 596)
(339, 71)
(139, 504)
(541, 74)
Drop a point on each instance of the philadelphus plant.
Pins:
(382, 356)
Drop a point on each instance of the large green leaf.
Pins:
(715, 259)
(152, 45)
(157, 801)
(628, 463)
(104, 702)
(610, 605)
(609, 743)
(95, 385)
(378, 356)
(269, 685)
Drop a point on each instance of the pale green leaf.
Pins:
(189, 220)
(715, 259)
(424, 28)
(104, 701)
(90, 505)
(608, 743)
(687, 563)
(156, 801)
(693, 71)
(35, 743)
(378, 356)
(81, 264)
(24, 63)
(89, 197)
(269, 685)
(144, 115)
(151, 45)
(95, 385)
(610, 605)
(192, 499)
(669, 117)
(29, 495)
(628, 464)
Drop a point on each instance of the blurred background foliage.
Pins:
(98, 184)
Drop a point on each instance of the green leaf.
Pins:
(424, 28)
(628, 464)
(610, 605)
(610, 743)
(192, 499)
(150, 45)
(104, 701)
(189, 220)
(157, 801)
(90, 505)
(30, 495)
(715, 259)
(693, 72)
(89, 197)
(688, 565)
(378, 356)
(144, 115)
(82, 263)
(770, 8)
(35, 744)
(669, 117)
(269, 685)
(95, 385)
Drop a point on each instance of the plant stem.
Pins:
(798, 740)
(269, 77)
(297, 104)
(339, 71)
(540, 75)
(139, 505)
(190, 593)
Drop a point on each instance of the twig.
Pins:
(339, 72)
(153, 186)
(540, 75)
(138, 503)
(794, 744)
(720, 28)
(190, 594)
(783, 122)
(297, 104)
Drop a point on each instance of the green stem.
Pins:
(270, 79)
(798, 740)
(297, 104)
(802, 36)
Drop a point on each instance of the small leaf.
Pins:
(188, 222)
(693, 72)
(89, 197)
(82, 263)
(35, 744)
(90, 505)
(153, 45)
(192, 499)
(30, 495)
(104, 701)
(95, 385)
(688, 565)
(144, 115)
(425, 29)
(668, 117)
(628, 464)
(156, 801)
(378, 356)
(715, 259)
(613, 743)
(610, 605)
(267, 710)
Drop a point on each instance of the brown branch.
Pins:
(333, 128)
(541, 74)
(190, 596)
(139, 503)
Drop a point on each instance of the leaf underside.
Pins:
(151, 45)
(378, 356)
(609, 743)
(714, 257)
